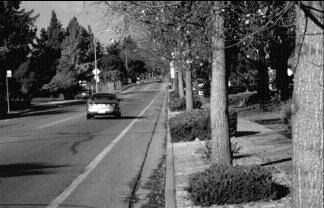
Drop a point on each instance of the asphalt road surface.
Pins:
(57, 158)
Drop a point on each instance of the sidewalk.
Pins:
(259, 145)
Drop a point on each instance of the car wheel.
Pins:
(118, 115)
(89, 116)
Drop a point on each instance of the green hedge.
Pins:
(193, 124)
(222, 184)
(179, 104)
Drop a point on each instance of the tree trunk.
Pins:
(176, 86)
(180, 84)
(189, 97)
(263, 82)
(221, 149)
(307, 106)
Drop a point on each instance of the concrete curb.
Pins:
(170, 199)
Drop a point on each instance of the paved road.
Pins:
(57, 158)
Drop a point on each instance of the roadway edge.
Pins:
(170, 200)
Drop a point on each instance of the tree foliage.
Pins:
(75, 61)
(16, 40)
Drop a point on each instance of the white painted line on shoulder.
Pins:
(78, 180)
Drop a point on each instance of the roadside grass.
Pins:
(156, 185)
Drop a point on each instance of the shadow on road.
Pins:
(26, 169)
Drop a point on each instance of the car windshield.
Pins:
(103, 97)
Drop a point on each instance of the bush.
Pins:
(206, 89)
(3, 107)
(221, 184)
(190, 125)
(173, 95)
(179, 104)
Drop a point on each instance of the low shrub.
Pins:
(179, 104)
(221, 184)
(206, 89)
(173, 95)
(190, 125)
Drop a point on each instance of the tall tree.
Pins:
(113, 68)
(76, 60)
(50, 46)
(221, 153)
(308, 141)
(16, 41)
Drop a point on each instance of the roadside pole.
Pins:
(9, 74)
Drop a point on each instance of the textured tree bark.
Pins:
(307, 106)
(221, 149)
(189, 97)
(176, 86)
(180, 83)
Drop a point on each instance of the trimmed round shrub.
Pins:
(221, 184)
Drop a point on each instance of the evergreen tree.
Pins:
(16, 41)
(76, 60)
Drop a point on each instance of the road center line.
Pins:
(78, 180)
(59, 121)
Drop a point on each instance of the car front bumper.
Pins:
(102, 109)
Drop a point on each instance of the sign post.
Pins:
(9, 75)
(96, 73)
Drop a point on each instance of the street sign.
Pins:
(96, 71)
(9, 73)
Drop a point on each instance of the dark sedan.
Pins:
(103, 104)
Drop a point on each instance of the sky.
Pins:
(84, 11)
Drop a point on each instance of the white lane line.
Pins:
(59, 121)
(78, 180)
